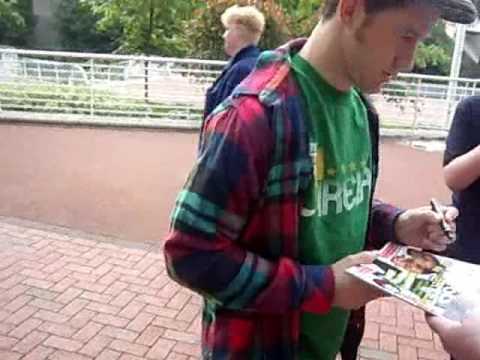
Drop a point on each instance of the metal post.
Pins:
(415, 105)
(458, 50)
(460, 33)
(146, 64)
(92, 97)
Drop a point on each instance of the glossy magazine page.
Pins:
(437, 284)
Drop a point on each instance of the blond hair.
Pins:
(248, 16)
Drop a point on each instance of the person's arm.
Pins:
(462, 154)
(382, 224)
(461, 340)
(202, 250)
(419, 227)
(464, 170)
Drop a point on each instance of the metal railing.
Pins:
(103, 89)
(155, 91)
(422, 105)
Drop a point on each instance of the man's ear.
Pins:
(348, 10)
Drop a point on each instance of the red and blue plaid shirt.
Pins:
(234, 231)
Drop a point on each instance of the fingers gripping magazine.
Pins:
(439, 285)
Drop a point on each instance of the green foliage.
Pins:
(146, 26)
(183, 27)
(16, 21)
(434, 55)
(172, 27)
(204, 33)
(76, 23)
(303, 15)
(432, 59)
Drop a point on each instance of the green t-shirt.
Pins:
(335, 211)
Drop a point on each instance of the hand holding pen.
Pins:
(427, 227)
(447, 229)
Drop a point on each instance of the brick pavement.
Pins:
(70, 295)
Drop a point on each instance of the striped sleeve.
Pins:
(202, 249)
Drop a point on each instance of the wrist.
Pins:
(331, 282)
(398, 227)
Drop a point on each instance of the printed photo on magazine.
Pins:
(436, 284)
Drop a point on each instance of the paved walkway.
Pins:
(70, 295)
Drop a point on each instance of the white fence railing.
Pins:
(103, 89)
(422, 105)
(155, 91)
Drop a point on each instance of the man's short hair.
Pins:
(248, 16)
(371, 6)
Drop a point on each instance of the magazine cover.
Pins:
(439, 285)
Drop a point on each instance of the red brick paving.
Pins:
(68, 295)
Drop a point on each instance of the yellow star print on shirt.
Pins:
(331, 172)
(320, 164)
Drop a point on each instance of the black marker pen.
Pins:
(447, 229)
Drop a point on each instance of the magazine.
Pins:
(437, 284)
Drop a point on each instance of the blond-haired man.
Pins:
(244, 26)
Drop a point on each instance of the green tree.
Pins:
(146, 26)
(204, 32)
(150, 27)
(16, 21)
(303, 15)
(76, 23)
(434, 55)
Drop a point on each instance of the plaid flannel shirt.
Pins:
(235, 225)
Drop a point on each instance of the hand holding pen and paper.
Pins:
(424, 227)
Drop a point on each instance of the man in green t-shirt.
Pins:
(334, 217)
(280, 201)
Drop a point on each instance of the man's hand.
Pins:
(461, 340)
(351, 293)
(421, 227)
